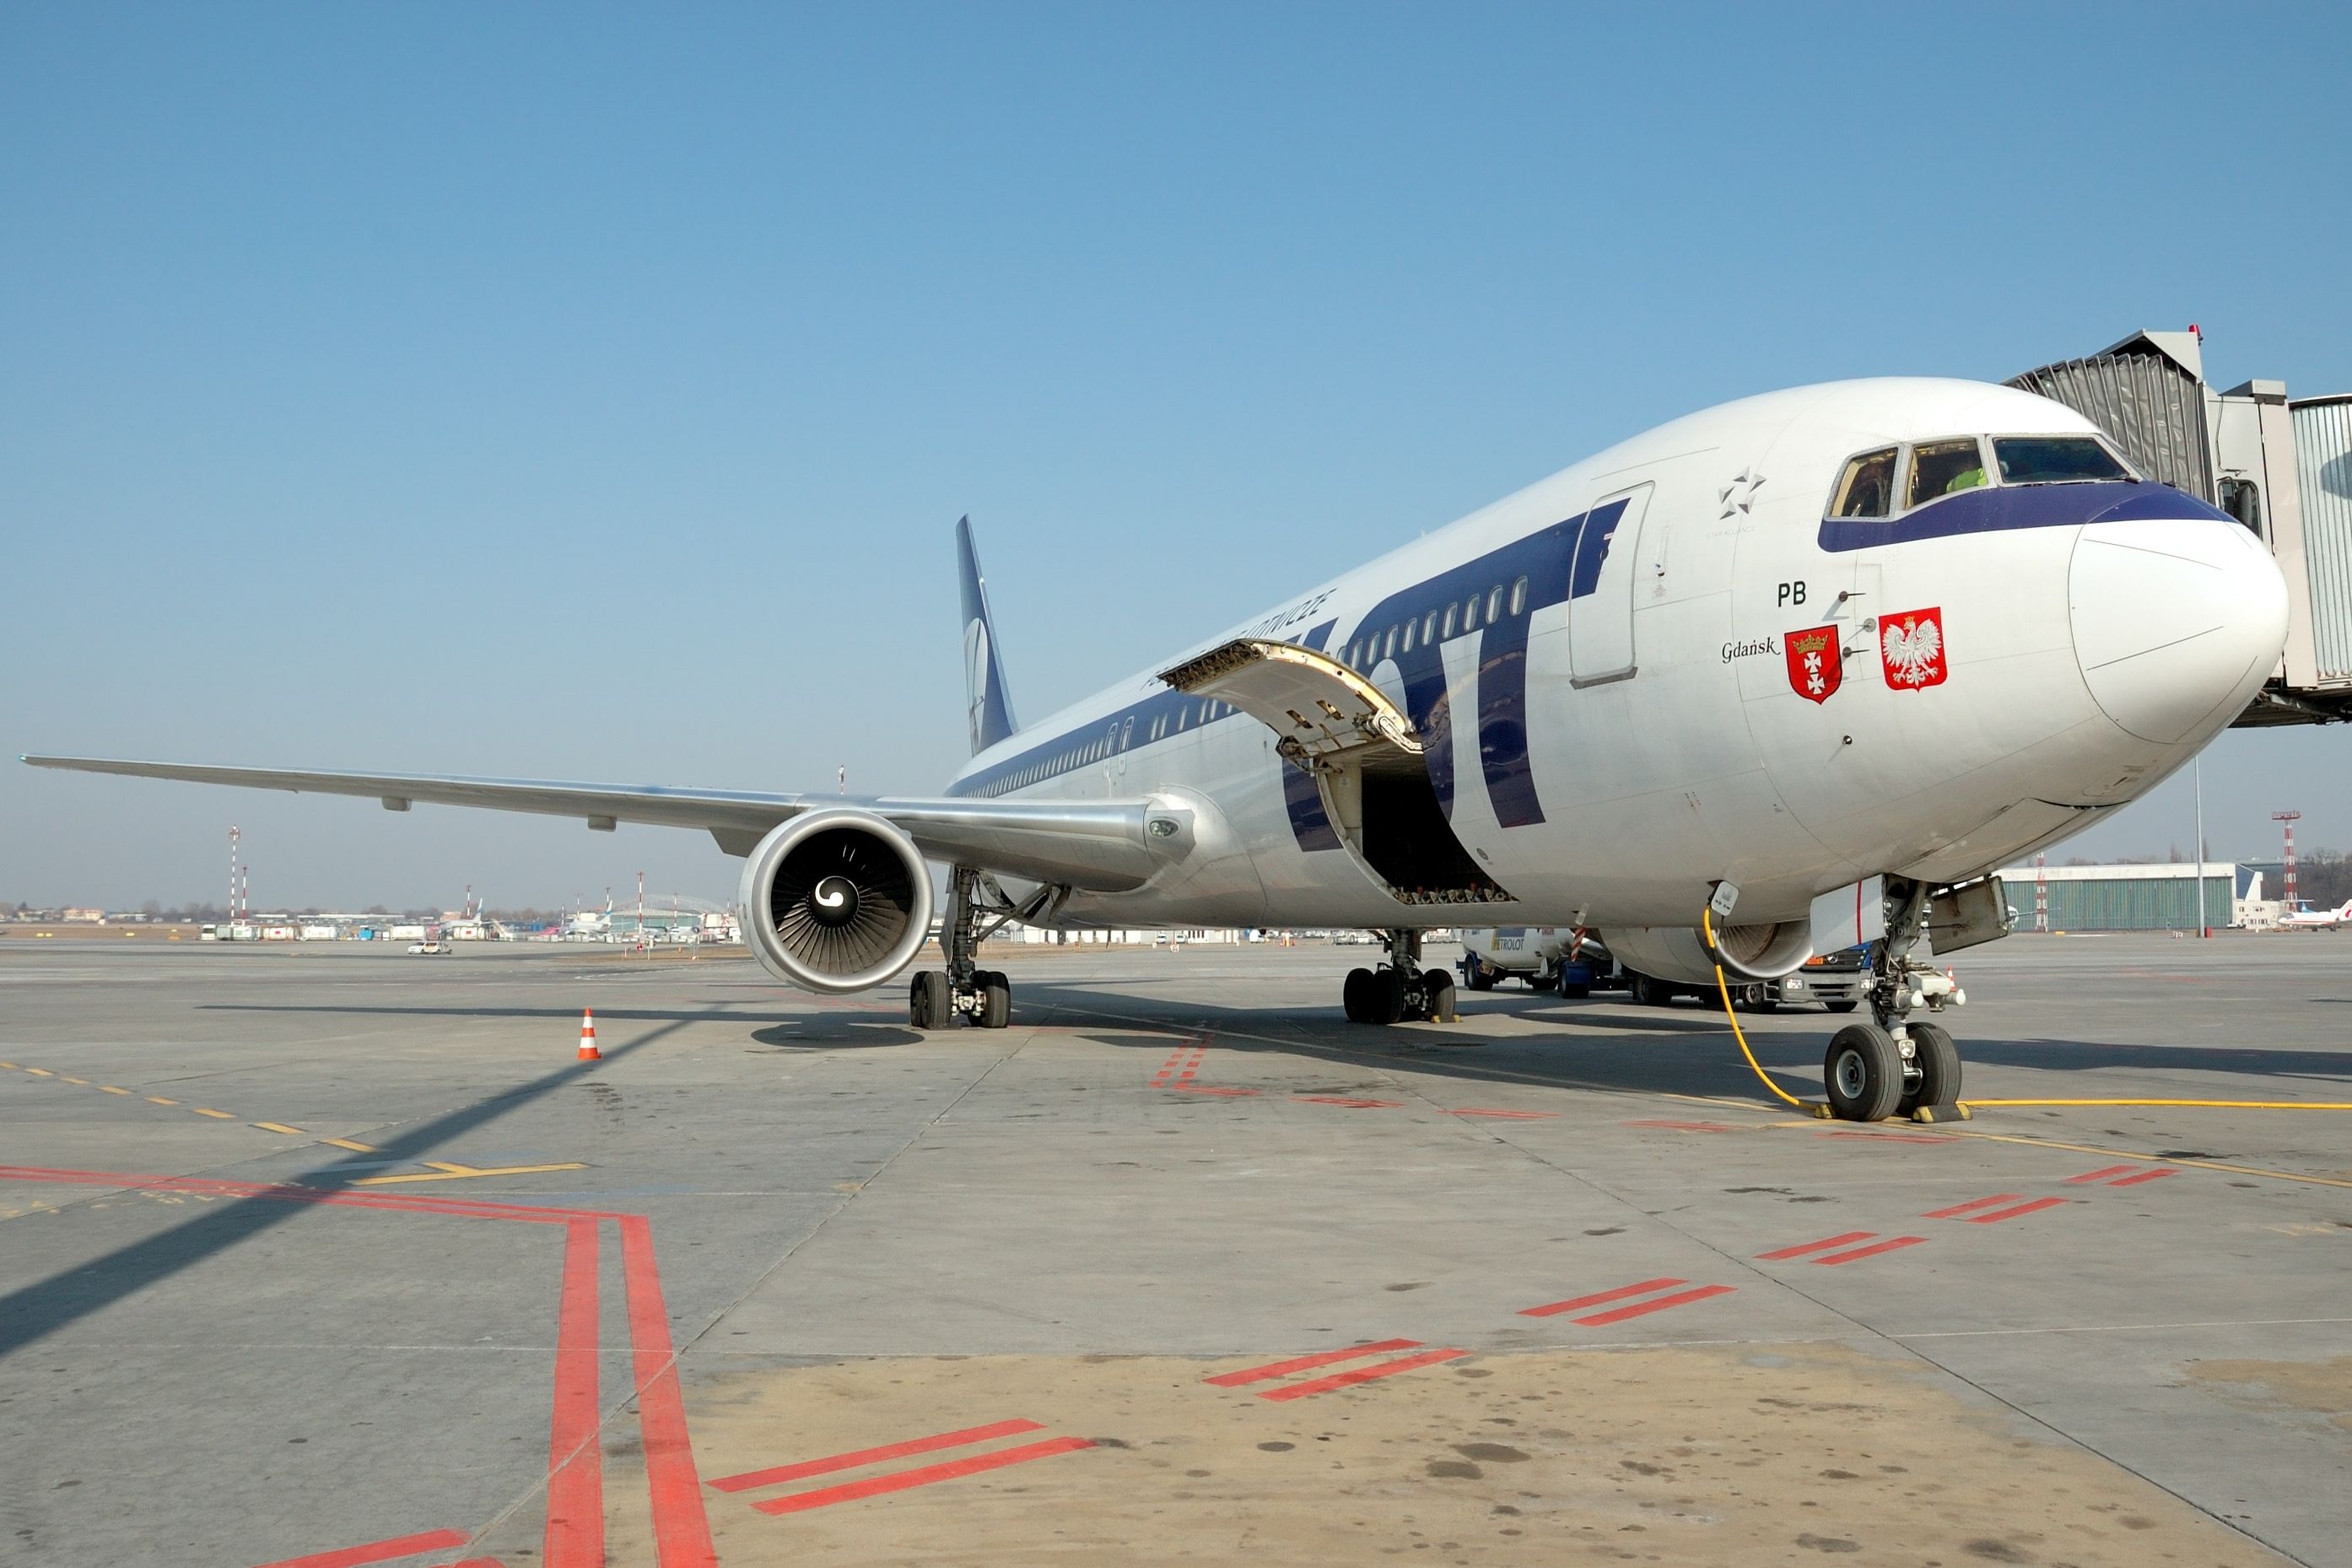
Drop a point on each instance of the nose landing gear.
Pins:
(1401, 991)
(1892, 1066)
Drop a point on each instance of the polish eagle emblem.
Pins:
(1815, 665)
(1911, 646)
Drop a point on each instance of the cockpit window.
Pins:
(1941, 468)
(1867, 490)
(2054, 460)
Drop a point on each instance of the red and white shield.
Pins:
(1815, 665)
(1911, 647)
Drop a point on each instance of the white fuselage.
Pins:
(1989, 673)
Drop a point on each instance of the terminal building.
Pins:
(2158, 897)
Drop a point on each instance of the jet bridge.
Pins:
(2282, 467)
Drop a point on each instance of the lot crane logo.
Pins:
(1911, 646)
(1815, 665)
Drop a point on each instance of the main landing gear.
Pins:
(982, 997)
(1892, 1066)
(1401, 991)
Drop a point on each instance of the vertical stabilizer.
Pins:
(987, 708)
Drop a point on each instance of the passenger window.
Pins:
(1429, 627)
(1470, 613)
(1867, 487)
(1941, 468)
(2055, 460)
(1519, 597)
(1407, 645)
(1494, 607)
(1447, 630)
(1389, 651)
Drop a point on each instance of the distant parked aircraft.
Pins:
(2303, 917)
(1910, 627)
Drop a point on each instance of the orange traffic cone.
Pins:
(588, 1051)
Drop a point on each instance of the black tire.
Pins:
(1437, 996)
(1356, 995)
(1844, 1007)
(1480, 978)
(1645, 991)
(996, 1000)
(1576, 993)
(1384, 998)
(1864, 1073)
(1938, 1060)
(927, 1005)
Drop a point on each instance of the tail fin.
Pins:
(987, 708)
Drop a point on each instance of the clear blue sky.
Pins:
(590, 393)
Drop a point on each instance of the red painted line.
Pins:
(1974, 1203)
(2144, 1176)
(1684, 1126)
(1307, 1363)
(1360, 1374)
(575, 1457)
(1996, 1215)
(1859, 1253)
(1503, 1115)
(2104, 1171)
(1205, 1089)
(1553, 1309)
(375, 1550)
(492, 1562)
(681, 1527)
(752, 1479)
(874, 1485)
(1643, 1308)
(1823, 1245)
(1350, 1101)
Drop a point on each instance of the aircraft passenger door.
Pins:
(1602, 580)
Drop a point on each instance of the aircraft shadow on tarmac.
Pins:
(33, 1312)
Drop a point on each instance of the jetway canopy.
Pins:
(2284, 469)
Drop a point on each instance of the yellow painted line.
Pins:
(278, 1127)
(40, 1072)
(111, 1089)
(159, 1100)
(444, 1171)
(9, 1065)
(83, 1081)
(224, 1115)
(356, 1148)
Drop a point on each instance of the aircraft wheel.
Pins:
(927, 1005)
(1576, 993)
(1845, 1006)
(1437, 996)
(1481, 978)
(996, 1000)
(1938, 1061)
(1355, 997)
(1645, 991)
(1863, 1072)
(1384, 998)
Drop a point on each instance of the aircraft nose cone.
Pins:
(2175, 620)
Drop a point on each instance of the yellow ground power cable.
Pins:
(1723, 989)
(1706, 923)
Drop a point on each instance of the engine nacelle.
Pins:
(836, 901)
(1680, 954)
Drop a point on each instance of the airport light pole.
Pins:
(2290, 819)
(2204, 926)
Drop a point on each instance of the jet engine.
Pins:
(836, 901)
(1680, 954)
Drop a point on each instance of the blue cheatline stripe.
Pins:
(2006, 507)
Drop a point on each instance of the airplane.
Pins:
(1906, 627)
(2303, 917)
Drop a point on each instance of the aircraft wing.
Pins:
(1099, 845)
